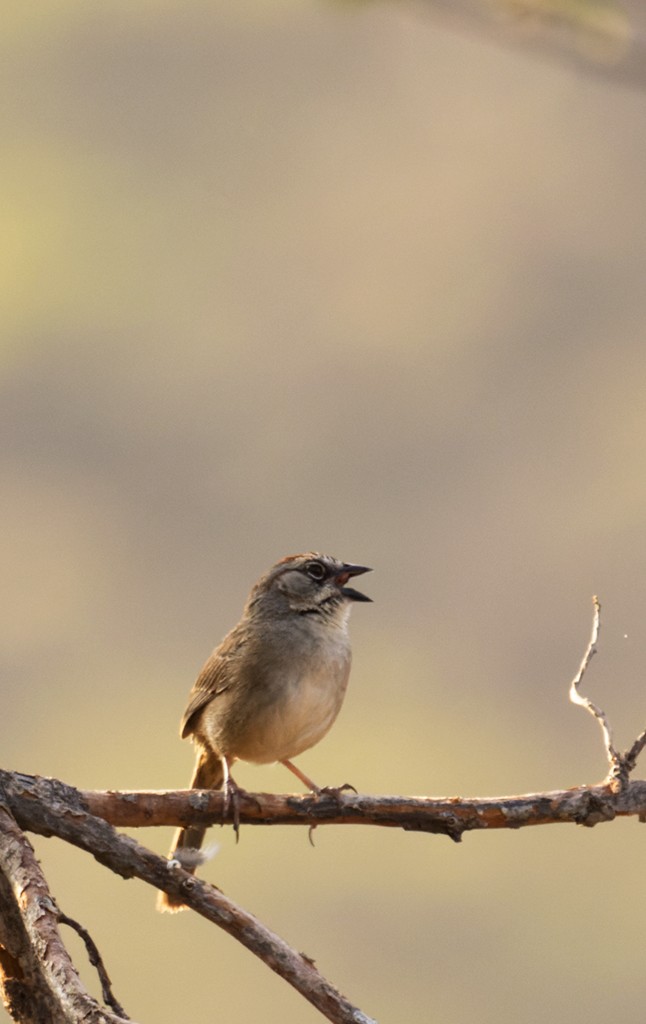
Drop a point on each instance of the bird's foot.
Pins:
(335, 791)
(231, 804)
(233, 794)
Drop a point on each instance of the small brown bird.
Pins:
(275, 684)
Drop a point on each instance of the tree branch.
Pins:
(39, 979)
(96, 960)
(27, 795)
(449, 816)
(50, 808)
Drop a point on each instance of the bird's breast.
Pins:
(301, 705)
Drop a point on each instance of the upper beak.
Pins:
(343, 577)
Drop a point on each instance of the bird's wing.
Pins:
(213, 680)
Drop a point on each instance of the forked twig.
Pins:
(620, 764)
(585, 702)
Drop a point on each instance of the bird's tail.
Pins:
(208, 774)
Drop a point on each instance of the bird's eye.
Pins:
(315, 570)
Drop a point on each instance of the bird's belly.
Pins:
(299, 716)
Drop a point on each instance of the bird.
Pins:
(274, 685)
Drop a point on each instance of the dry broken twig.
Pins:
(620, 764)
(96, 960)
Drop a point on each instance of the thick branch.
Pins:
(450, 816)
(39, 979)
(25, 992)
(30, 797)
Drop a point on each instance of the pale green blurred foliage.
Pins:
(274, 277)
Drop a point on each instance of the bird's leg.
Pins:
(231, 802)
(313, 788)
(232, 793)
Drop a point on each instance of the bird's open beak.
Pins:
(343, 577)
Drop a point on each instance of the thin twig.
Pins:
(621, 764)
(96, 960)
(631, 755)
(612, 754)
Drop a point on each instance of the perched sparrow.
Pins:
(275, 684)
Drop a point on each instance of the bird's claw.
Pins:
(231, 805)
(336, 791)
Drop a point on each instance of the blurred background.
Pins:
(352, 278)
